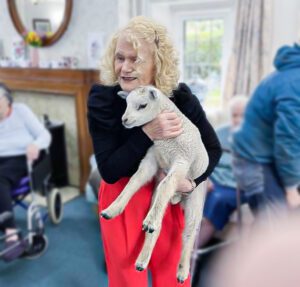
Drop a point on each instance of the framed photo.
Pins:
(41, 25)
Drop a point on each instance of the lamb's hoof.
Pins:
(139, 267)
(146, 228)
(180, 280)
(105, 215)
(150, 225)
(151, 230)
(182, 274)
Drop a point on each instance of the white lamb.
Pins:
(183, 157)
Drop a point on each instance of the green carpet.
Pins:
(74, 257)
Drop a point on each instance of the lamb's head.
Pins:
(143, 105)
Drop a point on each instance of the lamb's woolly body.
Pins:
(183, 157)
(187, 145)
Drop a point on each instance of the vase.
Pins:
(34, 57)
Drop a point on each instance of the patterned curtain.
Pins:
(250, 59)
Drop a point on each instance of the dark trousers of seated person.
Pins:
(273, 194)
(261, 185)
(12, 169)
(220, 203)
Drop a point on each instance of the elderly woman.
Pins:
(140, 54)
(22, 137)
(221, 199)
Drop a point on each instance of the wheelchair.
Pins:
(38, 180)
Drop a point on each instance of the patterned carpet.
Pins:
(74, 257)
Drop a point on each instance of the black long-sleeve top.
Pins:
(119, 151)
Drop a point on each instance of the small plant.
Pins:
(34, 39)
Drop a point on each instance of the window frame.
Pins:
(224, 14)
(185, 64)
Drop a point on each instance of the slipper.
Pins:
(14, 249)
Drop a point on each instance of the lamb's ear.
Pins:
(123, 94)
(152, 94)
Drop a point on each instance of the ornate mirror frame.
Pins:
(50, 40)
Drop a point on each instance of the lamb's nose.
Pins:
(125, 121)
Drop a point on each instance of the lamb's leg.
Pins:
(165, 191)
(152, 236)
(147, 169)
(193, 209)
(146, 252)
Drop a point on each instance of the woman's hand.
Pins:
(165, 126)
(184, 186)
(293, 197)
(32, 152)
(210, 185)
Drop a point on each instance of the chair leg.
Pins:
(238, 208)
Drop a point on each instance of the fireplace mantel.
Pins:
(75, 83)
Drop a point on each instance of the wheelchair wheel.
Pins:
(55, 206)
(38, 247)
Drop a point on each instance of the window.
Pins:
(202, 57)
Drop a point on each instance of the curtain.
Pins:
(250, 58)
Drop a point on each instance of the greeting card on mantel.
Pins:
(95, 45)
(18, 49)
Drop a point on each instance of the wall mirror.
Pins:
(49, 18)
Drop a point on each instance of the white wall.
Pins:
(286, 23)
(87, 17)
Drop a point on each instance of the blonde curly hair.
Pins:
(165, 57)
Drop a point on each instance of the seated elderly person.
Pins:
(22, 137)
(221, 191)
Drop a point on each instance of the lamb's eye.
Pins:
(142, 106)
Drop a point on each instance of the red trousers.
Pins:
(123, 238)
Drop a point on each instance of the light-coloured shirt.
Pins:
(223, 173)
(20, 129)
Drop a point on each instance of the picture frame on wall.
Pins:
(41, 25)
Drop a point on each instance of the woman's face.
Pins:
(133, 70)
(237, 114)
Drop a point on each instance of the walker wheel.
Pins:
(55, 206)
(38, 247)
